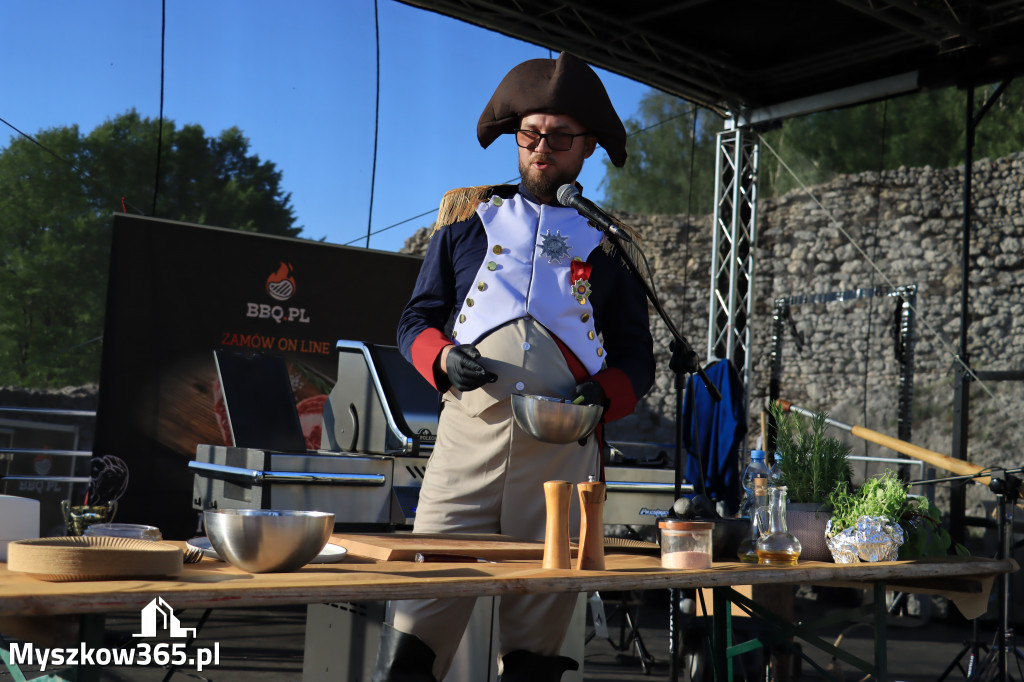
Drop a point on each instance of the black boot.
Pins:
(403, 658)
(526, 666)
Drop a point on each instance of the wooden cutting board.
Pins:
(404, 546)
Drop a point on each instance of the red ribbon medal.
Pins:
(579, 276)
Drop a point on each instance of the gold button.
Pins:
(462, 318)
(497, 249)
(577, 258)
(454, 333)
(585, 317)
(469, 302)
(497, 201)
(492, 266)
(482, 286)
(581, 300)
(600, 352)
(591, 335)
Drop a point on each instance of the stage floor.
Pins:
(266, 645)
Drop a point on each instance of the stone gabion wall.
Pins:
(890, 229)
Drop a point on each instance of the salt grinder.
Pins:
(557, 495)
(591, 554)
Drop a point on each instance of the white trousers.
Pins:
(486, 475)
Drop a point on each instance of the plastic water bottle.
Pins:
(747, 550)
(775, 473)
(755, 470)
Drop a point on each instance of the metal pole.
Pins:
(962, 392)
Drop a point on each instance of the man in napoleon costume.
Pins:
(542, 305)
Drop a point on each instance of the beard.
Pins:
(544, 186)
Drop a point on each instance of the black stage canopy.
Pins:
(762, 60)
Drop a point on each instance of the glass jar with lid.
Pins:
(685, 544)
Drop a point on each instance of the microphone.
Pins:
(570, 197)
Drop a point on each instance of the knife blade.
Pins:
(439, 557)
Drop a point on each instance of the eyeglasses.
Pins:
(559, 142)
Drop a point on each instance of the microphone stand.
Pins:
(683, 361)
(1008, 491)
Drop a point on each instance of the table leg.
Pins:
(723, 651)
(881, 616)
(721, 620)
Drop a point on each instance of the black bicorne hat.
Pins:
(566, 85)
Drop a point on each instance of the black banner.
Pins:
(176, 293)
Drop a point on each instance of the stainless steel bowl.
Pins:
(268, 540)
(554, 420)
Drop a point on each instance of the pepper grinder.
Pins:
(592, 497)
(557, 495)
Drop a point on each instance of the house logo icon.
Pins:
(158, 615)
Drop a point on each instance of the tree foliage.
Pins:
(923, 129)
(670, 169)
(58, 193)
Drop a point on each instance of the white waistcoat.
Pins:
(526, 272)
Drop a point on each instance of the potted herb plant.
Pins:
(888, 496)
(812, 466)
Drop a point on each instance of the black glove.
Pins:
(464, 371)
(592, 392)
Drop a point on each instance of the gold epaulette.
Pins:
(460, 204)
(629, 248)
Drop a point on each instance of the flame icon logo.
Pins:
(281, 284)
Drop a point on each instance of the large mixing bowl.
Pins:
(554, 420)
(268, 540)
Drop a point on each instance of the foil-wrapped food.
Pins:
(873, 538)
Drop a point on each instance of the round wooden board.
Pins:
(93, 558)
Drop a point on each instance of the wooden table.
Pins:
(212, 584)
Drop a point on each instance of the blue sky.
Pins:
(299, 79)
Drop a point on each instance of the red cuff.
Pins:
(616, 384)
(619, 391)
(425, 351)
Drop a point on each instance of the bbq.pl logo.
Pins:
(280, 286)
(157, 619)
(281, 283)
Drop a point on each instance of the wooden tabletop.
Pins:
(211, 583)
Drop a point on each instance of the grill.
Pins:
(380, 425)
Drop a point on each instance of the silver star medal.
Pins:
(554, 247)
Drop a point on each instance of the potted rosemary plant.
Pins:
(812, 466)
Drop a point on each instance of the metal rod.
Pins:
(46, 479)
(258, 477)
(645, 487)
(29, 451)
(46, 410)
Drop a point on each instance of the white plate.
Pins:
(328, 555)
